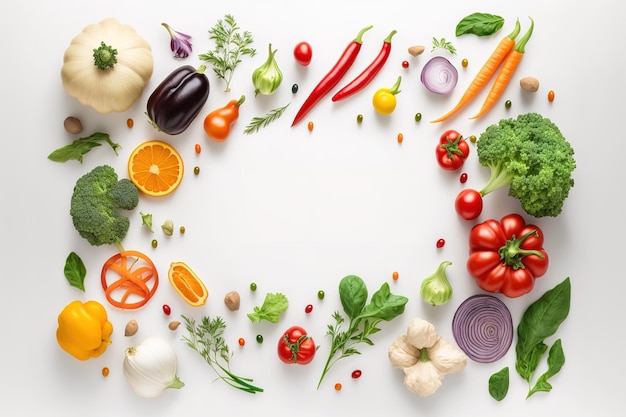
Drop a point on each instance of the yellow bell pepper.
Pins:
(84, 330)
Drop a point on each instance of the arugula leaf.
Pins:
(273, 306)
(81, 146)
(443, 44)
(479, 24)
(75, 271)
(556, 360)
(499, 384)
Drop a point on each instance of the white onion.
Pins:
(439, 75)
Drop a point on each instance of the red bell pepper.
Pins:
(506, 256)
(452, 150)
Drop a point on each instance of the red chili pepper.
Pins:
(368, 74)
(333, 77)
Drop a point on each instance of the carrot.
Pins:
(505, 74)
(486, 72)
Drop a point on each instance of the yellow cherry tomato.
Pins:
(384, 100)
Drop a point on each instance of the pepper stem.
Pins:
(359, 37)
(512, 253)
(395, 89)
(104, 56)
(388, 38)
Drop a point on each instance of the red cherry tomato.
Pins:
(296, 346)
(469, 204)
(303, 53)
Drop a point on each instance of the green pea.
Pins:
(320, 294)
(196, 170)
(359, 118)
(418, 117)
(507, 104)
(252, 286)
(182, 230)
(259, 338)
(155, 243)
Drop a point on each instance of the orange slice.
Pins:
(187, 284)
(156, 168)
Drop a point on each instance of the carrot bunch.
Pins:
(508, 55)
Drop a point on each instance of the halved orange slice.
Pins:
(156, 168)
(187, 284)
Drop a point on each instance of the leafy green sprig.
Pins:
(443, 44)
(230, 45)
(363, 317)
(207, 338)
(262, 121)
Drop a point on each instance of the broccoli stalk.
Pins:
(95, 207)
(530, 155)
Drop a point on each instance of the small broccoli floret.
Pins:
(98, 196)
(532, 157)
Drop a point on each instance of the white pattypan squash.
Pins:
(107, 66)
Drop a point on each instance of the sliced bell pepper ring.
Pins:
(138, 279)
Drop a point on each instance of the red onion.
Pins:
(439, 75)
(483, 328)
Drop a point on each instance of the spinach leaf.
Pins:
(542, 318)
(479, 24)
(499, 384)
(353, 294)
(75, 271)
(384, 305)
(556, 360)
(540, 321)
(81, 146)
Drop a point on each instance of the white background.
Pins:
(295, 211)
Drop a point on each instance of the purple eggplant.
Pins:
(176, 102)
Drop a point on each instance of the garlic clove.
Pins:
(447, 358)
(402, 354)
(423, 378)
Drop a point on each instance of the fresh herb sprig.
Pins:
(263, 121)
(443, 44)
(207, 338)
(230, 45)
(363, 317)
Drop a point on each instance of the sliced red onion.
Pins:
(439, 75)
(483, 328)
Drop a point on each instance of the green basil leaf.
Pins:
(75, 271)
(353, 294)
(556, 360)
(479, 24)
(499, 384)
(527, 365)
(384, 305)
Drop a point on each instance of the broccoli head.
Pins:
(98, 196)
(531, 156)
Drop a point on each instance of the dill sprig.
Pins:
(443, 44)
(262, 121)
(207, 339)
(230, 45)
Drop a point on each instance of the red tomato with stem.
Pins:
(303, 53)
(296, 346)
(507, 256)
(452, 150)
(469, 204)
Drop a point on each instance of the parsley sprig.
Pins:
(443, 44)
(230, 45)
(207, 338)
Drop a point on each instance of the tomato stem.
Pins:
(512, 253)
